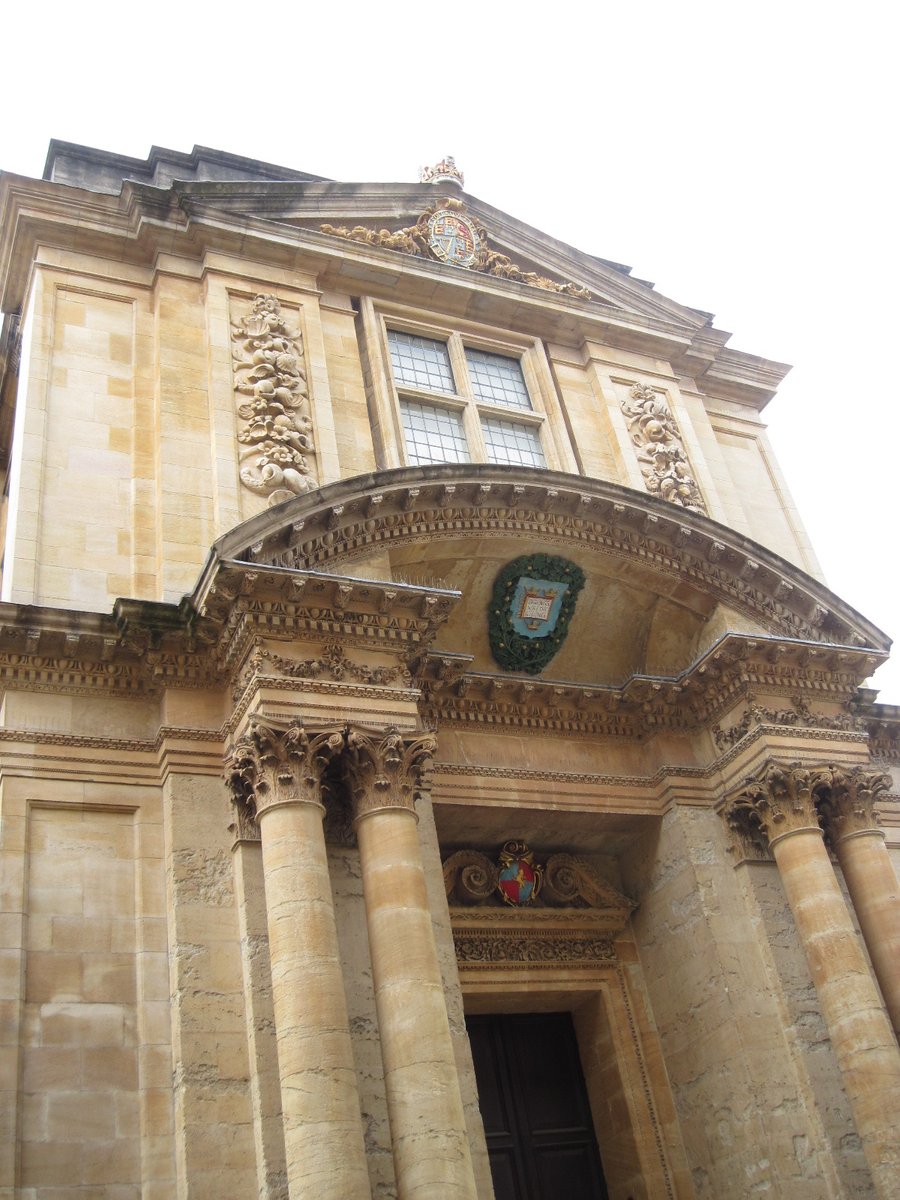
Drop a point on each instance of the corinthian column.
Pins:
(781, 803)
(848, 807)
(428, 1131)
(276, 771)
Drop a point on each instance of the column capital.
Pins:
(779, 800)
(849, 804)
(278, 762)
(384, 768)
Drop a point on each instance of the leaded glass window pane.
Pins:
(433, 435)
(420, 362)
(512, 442)
(497, 379)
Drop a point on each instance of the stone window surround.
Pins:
(463, 401)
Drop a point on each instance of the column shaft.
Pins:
(431, 1148)
(873, 888)
(863, 1041)
(320, 1103)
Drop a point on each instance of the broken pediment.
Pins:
(519, 910)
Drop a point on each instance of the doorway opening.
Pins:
(534, 1104)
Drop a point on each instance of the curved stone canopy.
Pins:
(662, 583)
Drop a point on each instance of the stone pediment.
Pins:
(397, 219)
(209, 203)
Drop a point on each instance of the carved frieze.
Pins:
(800, 716)
(660, 449)
(277, 435)
(447, 232)
(531, 947)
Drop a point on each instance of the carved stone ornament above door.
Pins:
(573, 922)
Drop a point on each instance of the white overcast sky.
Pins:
(742, 156)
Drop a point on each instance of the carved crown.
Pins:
(445, 169)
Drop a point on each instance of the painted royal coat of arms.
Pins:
(531, 606)
(520, 879)
(453, 238)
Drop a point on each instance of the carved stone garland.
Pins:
(416, 239)
(800, 716)
(660, 449)
(277, 430)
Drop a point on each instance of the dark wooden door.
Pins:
(537, 1120)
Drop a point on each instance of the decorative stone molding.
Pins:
(719, 680)
(420, 240)
(385, 770)
(337, 524)
(335, 664)
(848, 804)
(660, 449)
(571, 882)
(531, 947)
(801, 715)
(470, 877)
(276, 763)
(277, 430)
(505, 938)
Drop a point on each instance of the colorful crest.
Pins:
(532, 603)
(453, 238)
(520, 879)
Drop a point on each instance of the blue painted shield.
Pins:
(535, 607)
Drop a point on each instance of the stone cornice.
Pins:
(144, 646)
(711, 686)
(883, 724)
(345, 520)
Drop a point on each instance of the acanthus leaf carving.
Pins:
(778, 800)
(385, 770)
(277, 762)
(277, 430)
(849, 804)
(660, 449)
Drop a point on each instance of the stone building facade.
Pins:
(432, 763)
